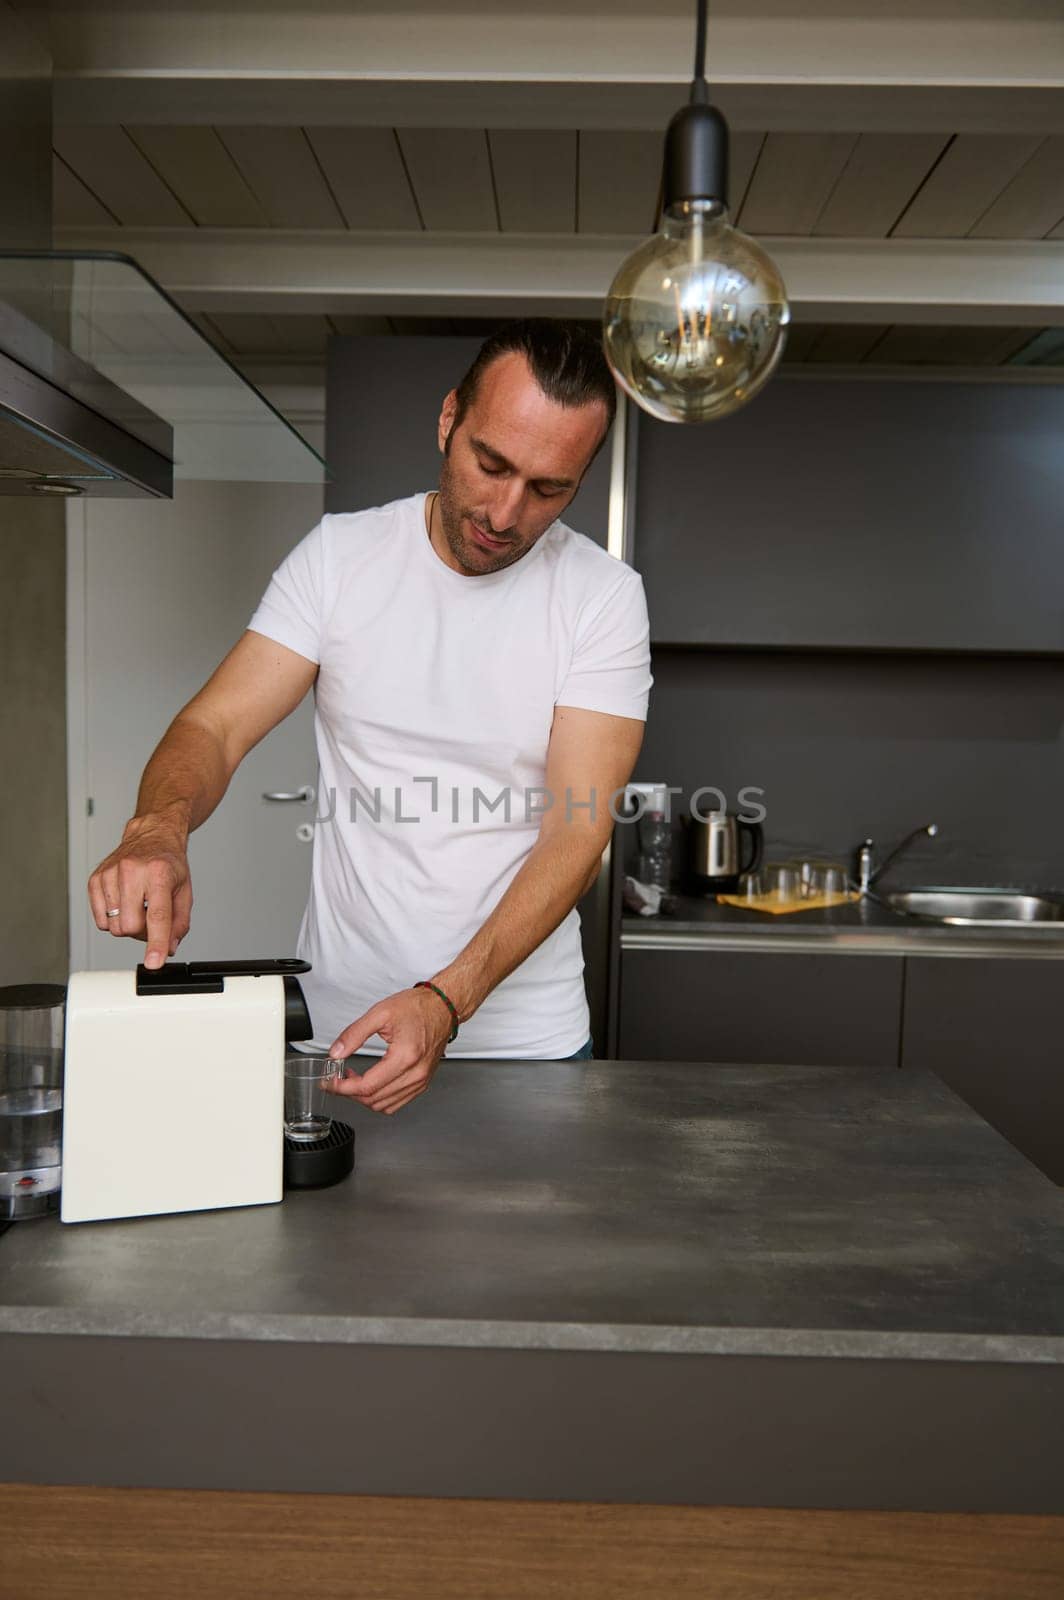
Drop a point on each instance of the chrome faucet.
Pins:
(867, 873)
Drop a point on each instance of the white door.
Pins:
(159, 591)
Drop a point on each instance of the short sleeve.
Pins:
(610, 668)
(291, 611)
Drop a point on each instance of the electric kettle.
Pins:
(715, 851)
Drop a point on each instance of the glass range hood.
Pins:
(107, 388)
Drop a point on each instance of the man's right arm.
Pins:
(147, 878)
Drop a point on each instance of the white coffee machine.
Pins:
(173, 1095)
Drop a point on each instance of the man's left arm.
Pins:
(590, 758)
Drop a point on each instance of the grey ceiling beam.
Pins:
(950, 66)
(829, 280)
(303, 101)
(942, 42)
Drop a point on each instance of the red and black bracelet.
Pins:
(424, 984)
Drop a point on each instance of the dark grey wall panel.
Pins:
(901, 515)
(864, 744)
(724, 1006)
(383, 401)
(992, 1030)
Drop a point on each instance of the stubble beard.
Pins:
(473, 561)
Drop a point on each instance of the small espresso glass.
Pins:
(835, 884)
(751, 887)
(307, 1080)
(783, 881)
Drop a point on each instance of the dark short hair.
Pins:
(565, 359)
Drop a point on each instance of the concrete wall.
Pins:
(25, 136)
(33, 790)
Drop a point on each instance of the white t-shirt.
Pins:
(433, 686)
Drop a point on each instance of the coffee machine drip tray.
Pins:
(316, 1163)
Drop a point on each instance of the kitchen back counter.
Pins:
(865, 927)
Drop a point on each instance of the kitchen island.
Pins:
(615, 1281)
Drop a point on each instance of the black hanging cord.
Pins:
(696, 141)
(699, 91)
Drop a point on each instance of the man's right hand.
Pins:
(147, 881)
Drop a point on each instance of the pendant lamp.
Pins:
(696, 317)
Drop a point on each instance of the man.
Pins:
(481, 675)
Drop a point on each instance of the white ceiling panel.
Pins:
(302, 335)
(283, 173)
(365, 172)
(535, 180)
(109, 163)
(360, 325)
(74, 206)
(971, 175)
(801, 337)
(242, 333)
(1033, 203)
(744, 150)
(845, 343)
(199, 169)
(252, 334)
(620, 178)
(879, 180)
(450, 170)
(950, 346)
(620, 174)
(795, 174)
(1046, 349)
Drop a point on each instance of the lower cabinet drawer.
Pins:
(723, 1005)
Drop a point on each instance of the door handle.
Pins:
(306, 793)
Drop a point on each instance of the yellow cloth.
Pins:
(776, 907)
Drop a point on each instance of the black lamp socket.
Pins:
(696, 156)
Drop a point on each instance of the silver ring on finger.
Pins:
(117, 912)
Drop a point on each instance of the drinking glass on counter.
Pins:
(784, 880)
(307, 1079)
(835, 881)
(791, 883)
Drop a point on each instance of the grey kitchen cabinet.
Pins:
(993, 1030)
(760, 1008)
(848, 514)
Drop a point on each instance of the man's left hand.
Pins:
(415, 1026)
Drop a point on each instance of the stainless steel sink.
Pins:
(980, 907)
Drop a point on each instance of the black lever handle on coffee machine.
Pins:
(208, 977)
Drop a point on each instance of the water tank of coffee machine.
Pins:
(31, 1099)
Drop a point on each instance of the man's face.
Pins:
(511, 466)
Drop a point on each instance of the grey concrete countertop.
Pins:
(622, 1281)
(614, 1206)
(866, 927)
